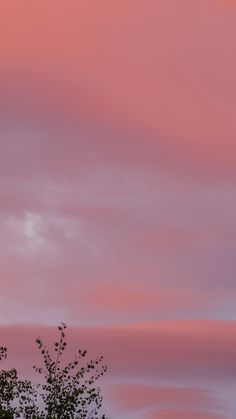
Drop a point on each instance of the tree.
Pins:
(67, 391)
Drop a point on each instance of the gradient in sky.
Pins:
(117, 194)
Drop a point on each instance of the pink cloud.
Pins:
(199, 352)
(91, 248)
(117, 185)
(184, 414)
(189, 348)
(151, 70)
(195, 351)
(132, 397)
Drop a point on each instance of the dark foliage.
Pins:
(67, 391)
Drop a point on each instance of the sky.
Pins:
(117, 194)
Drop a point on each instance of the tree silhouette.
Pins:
(66, 390)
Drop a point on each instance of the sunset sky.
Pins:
(117, 194)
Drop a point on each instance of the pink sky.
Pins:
(117, 193)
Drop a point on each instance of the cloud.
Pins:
(159, 76)
(117, 190)
(132, 397)
(119, 139)
(189, 348)
(200, 355)
(111, 236)
(184, 414)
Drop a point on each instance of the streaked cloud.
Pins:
(117, 192)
